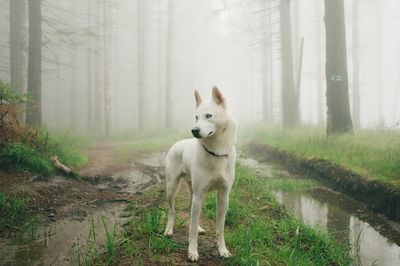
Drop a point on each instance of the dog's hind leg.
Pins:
(172, 189)
(222, 208)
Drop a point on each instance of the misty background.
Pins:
(136, 63)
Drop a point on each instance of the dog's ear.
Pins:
(198, 98)
(217, 97)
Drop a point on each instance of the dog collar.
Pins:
(214, 154)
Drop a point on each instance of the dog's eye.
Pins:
(196, 117)
(208, 116)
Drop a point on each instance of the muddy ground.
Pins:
(65, 206)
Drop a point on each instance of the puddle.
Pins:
(373, 239)
(65, 236)
(60, 246)
(138, 176)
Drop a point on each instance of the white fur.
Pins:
(202, 171)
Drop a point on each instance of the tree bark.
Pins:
(290, 109)
(266, 65)
(89, 65)
(18, 48)
(98, 92)
(379, 90)
(356, 64)
(34, 110)
(319, 64)
(140, 63)
(18, 45)
(73, 95)
(107, 67)
(168, 90)
(337, 95)
(270, 62)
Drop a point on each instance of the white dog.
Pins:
(206, 162)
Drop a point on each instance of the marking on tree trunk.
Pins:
(336, 77)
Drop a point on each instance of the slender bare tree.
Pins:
(34, 109)
(18, 47)
(290, 109)
(168, 90)
(140, 63)
(319, 62)
(107, 65)
(89, 65)
(98, 92)
(337, 93)
(356, 64)
(266, 69)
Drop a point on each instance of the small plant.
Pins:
(27, 234)
(110, 241)
(14, 218)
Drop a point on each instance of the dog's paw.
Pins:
(201, 230)
(193, 256)
(169, 233)
(223, 252)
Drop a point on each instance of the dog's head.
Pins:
(211, 116)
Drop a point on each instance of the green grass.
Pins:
(145, 230)
(258, 231)
(270, 236)
(141, 236)
(15, 220)
(288, 184)
(23, 157)
(12, 211)
(35, 157)
(373, 154)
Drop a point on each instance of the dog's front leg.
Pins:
(222, 208)
(193, 227)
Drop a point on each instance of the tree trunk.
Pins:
(73, 83)
(140, 63)
(337, 94)
(270, 62)
(34, 110)
(379, 85)
(266, 65)
(290, 110)
(296, 33)
(98, 92)
(356, 64)
(73, 97)
(160, 98)
(319, 63)
(168, 90)
(107, 67)
(89, 65)
(18, 48)
(17, 45)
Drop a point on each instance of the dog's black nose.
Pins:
(196, 132)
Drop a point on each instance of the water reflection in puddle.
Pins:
(334, 212)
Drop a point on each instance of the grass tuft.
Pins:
(14, 219)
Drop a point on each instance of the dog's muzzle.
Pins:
(196, 133)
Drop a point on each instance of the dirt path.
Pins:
(66, 207)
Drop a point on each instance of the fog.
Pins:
(135, 64)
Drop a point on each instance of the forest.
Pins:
(94, 93)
